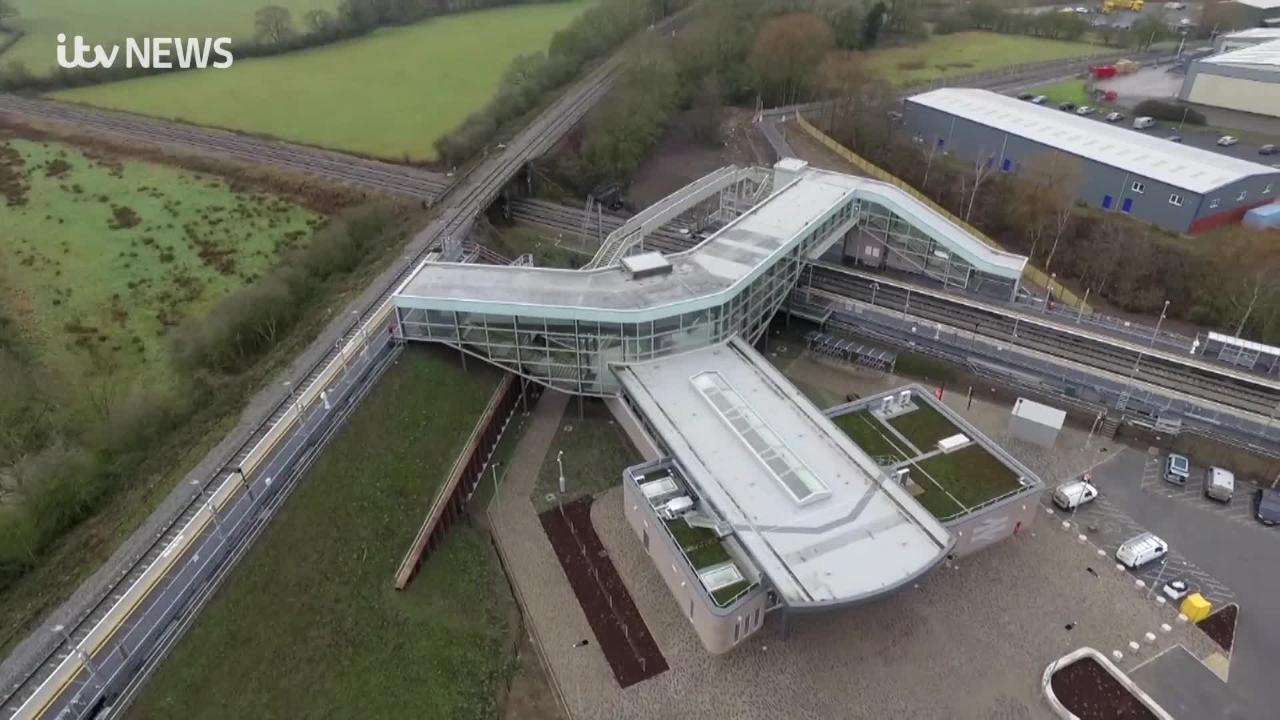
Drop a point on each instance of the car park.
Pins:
(1140, 550)
(1072, 495)
(1068, 106)
(1266, 506)
(1114, 117)
(1228, 140)
(1177, 468)
(1269, 149)
(1084, 110)
(1219, 484)
(1040, 99)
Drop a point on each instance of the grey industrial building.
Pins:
(1181, 188)
(1246, 77)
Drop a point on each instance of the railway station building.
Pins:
(1174, 186)
(752, 501)
(568, 328)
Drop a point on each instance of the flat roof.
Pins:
(1253, 33)
(1266, 54)
(1261, 4)
(704, 276)
(1183, 166)
(826, 525)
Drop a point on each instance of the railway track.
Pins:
(1218, 384)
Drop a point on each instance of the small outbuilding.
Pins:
(1036, 423)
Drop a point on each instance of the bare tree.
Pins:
(273, 23)
(1046, 193)
(982, 169)
(318, 21)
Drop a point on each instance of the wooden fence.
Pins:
(467, 471)
(1032, 274)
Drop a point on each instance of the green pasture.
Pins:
(389, 94)
(963, 53)
(99, 258)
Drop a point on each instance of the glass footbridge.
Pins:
(567, 329)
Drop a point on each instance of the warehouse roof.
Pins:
(1183, 166)
(811, 508)
(1261, 33)
(1261, 4)
(1267, 53)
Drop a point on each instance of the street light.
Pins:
(84, 656)
(293, 399)
(494, 469)
(244, 480)
(874, 287)
(213, 510)
(560, 464)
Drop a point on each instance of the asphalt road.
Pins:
(1223, 541)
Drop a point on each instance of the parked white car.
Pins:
(1040, 99)
(1140, 550)
(1114, 117)
(1228, 140)
(1084, 110)
(1072, 495)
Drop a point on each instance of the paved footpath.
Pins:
(551, 610)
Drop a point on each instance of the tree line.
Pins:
(994, 17)
(276, 31)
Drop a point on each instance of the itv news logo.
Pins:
(147, 53)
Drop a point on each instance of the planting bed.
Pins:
(1221, 626)
(1090, 692)
(624, 638)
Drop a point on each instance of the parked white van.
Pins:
(1140, 550)
(1072, 495)
(1219, 484)
(1144, 122)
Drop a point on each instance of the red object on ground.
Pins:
(1110, 96)
(1102, 71)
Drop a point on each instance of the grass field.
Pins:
(924, 426)
(1066, 91)
(595, 451)
(99, 257)
(961, 480)
(390, 94)
(102, 22)
(968, 52)
(308, 626)
(870, 435)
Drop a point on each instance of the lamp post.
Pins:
(213, 510)
(1083, 303)
(875, 286)
(84, 656)
(1134, 372)
(494, 471)
(293, 398)
(244, 480)
(560, 465)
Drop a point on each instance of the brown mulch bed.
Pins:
(1221, 626)
(1086, 689)
(624, 638)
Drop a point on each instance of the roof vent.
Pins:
(650, 264)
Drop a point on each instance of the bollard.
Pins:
(1139, 584)
(1161, 601)
(1081, 538)
(1119, 567)
(1149, 637)
(1166, 627)
(1134, 647)
(1182, 617)
(1117, 655)
(1066, 525)
(1102, 553)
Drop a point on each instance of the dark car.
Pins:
(1174, 138)
(1025, 96)
(1269, 150)
(1068, 106)
(1266, 506)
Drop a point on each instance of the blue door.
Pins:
(1127, 205)
(1106, 202)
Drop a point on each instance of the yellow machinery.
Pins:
(1196, 607)
(1110, 6)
